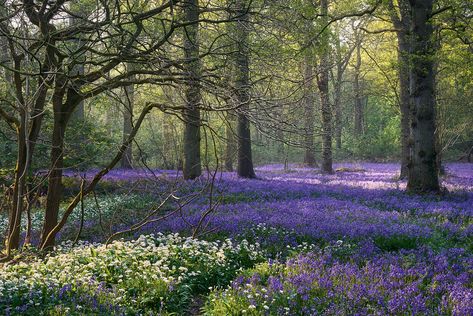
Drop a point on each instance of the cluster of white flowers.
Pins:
(153, 261)
(106, 206)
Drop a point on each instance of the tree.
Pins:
(78, 69)
(309, 119)
(127, 160)
(341, 62)
(401, 21)
(230, 141)
(323, 85)
(357, 83)
(242, 85)
(191, 113)
(423, 169)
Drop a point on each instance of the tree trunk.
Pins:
(402, 22)
(245, 159)
(309, 102)
(404, 99)
(127, 159)
(19, 185)
(191, 115)
(423, 170)
(280, 135)
(62, 114)
(358, 92)
(342, 63)
(439, 127)
(27, 129)
(19, 188)
(322, 82)
(54, 194)
(338, 108)
(77, 70)
(230, 142)
(169, 157)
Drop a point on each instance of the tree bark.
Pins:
(245, 159)
(191, 115)
(322, 82)
(423, 170)
(309, 102)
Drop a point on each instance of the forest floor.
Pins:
(292, 242)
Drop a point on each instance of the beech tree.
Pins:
(423, 168)
(191, 113)
(323, 85)
(242, 86)
(309, 108)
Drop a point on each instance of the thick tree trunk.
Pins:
(191, 115)
(322, 82)
(309, 119)
(245, 159)
(127, 158)
(423, 169)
